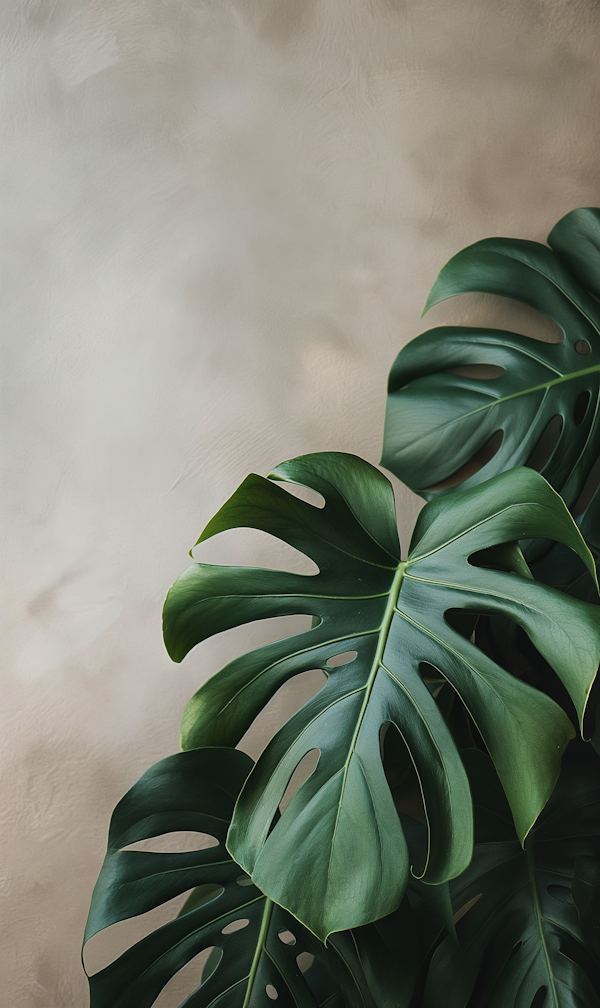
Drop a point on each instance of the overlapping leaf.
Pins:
(197, 790)
(337, 858)
(532, 917)
(441, 425)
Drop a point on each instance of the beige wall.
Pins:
(220, 220)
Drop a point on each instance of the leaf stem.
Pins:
(262, 937)
(529, 844)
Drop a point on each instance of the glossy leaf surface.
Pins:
(532, 916)
(341, 830)
(197, 790)
(542, 411)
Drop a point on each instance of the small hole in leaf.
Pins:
(515, 949)
(428, 672)
(341, 659)
(477, 461)
(235, 925)
(583, 347)
(244, 880)
(539, 997)
(589, 489)
(271, 992)
(305, 961)
(306, 767)
(466, 907)
(544, 449)
(561, 893)
(214, 958)
(307, 494)
(484, 372)
(200, 896)
(287, 937)
(177, 842)
(580, 408)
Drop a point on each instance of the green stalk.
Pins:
(529, 843)
(264, 927)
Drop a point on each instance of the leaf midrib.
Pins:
(544, 386)
(531, 868)
(384, 630)
(262, 937)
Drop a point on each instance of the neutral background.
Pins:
(220, 221)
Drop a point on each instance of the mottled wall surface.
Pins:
(220, 220)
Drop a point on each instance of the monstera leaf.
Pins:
(528, 934)
(197, 791)
(448, 430)
(337, 858)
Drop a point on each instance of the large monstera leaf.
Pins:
(447, 431)
(337, 858)
(197, 791)
(531, 931)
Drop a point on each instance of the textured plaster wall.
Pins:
(220, 220)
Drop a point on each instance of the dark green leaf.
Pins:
(522, 931)
(439, 423)
(576, 242)
(341, 829)
(197, 790)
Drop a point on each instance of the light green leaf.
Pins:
(341, 830)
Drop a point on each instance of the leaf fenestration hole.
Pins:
(272, 992)
(341, 659)
(288, 699)
(515, 949)
(307, 494)
(539, 997)
(287, 937)
(200, 896)
(429, 673)
(188, 979)
(304, 769)
(477, 461)
(581, 405)
(214, 958)
(546, 444)
(497, 312)
(400, 772)
(583, 347)
(589, 489)
(466, 907)
(107, 945)
(461, 620)
(305, 961)
(483, 371)
(560, 893)
(177, 842)
(235, 925)
(244, 880)
(250, 547)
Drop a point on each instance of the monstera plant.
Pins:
(444, 850)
